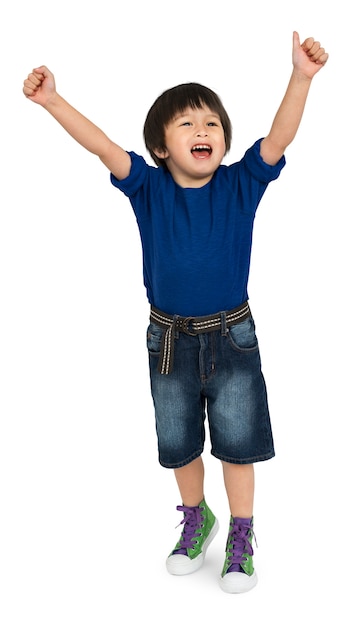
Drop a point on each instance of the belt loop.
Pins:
(176, 331)
(223, 324)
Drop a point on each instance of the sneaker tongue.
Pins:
(239, 546)
(243, 521)
(180, 551)
(235, 567)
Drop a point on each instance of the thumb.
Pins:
(42, 69)
(296, 39)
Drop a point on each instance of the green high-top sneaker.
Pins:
(199, 529)
(238, 574)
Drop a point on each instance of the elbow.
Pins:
(272, 151)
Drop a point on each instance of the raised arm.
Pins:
(40, 88)
(308, 59)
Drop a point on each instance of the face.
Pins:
(195, 146)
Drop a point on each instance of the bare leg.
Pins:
(190, 480)
(239, 484)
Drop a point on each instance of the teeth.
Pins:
(201, 147)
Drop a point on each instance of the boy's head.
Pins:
(172, 102)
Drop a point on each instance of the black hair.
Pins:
(172, 102)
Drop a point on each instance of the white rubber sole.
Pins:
(237, 582)
(181, 565)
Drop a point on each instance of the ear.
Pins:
(161, 153)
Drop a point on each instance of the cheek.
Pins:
(225, 148)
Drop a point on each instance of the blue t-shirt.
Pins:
(196, 242)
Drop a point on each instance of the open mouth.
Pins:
(201, 150)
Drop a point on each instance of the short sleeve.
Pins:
(130, 185)
(260, 170)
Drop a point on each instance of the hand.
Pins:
(39, 86)
(309, 57)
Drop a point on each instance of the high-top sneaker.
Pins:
(199, 529)
(238, 574)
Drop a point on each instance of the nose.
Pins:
(201, 132)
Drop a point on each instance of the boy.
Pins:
(195, 218)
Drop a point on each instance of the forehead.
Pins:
(189, 111)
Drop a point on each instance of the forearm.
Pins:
(290, 112)
(78, 126)
(287, 119)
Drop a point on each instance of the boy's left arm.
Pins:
(308, 59)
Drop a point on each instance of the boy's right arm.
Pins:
(40, 88)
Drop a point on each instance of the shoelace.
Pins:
(240, 540)
(192, 521)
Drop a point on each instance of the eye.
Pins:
(212, 124)
(186, 124)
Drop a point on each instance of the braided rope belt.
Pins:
(191, 326)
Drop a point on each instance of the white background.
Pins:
(87, 514)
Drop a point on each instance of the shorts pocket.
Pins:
(242, 337)
(154, 338)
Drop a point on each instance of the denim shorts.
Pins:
(218, 376)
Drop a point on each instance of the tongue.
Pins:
(200, 154)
